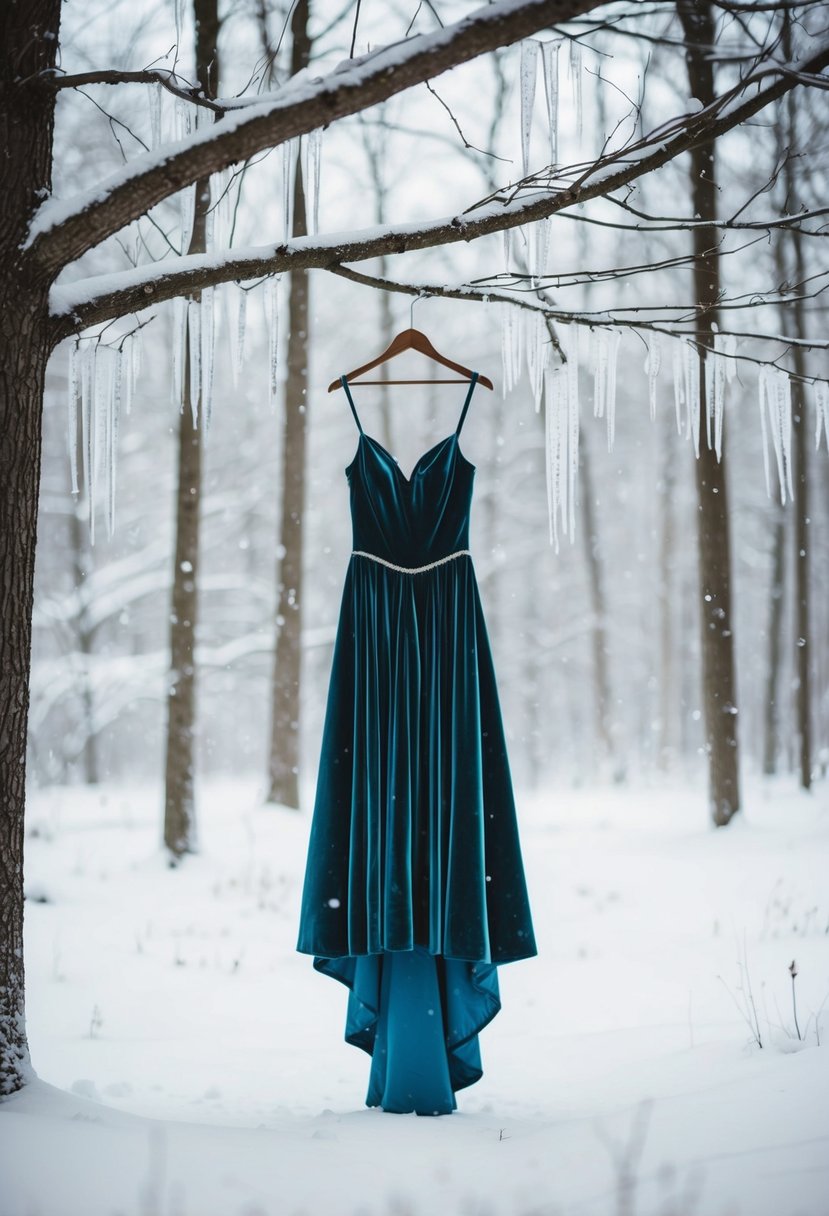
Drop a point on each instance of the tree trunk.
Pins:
(718, 678)
(800, 452)
(179, 776)
(179, 781)
(29, 38)
(285, 714)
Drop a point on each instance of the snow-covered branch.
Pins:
(605, 319)
(172, 82)
(91, 301)
(62, 230)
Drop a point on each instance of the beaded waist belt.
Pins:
(410, 569)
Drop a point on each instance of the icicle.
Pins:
(115, 422)
(653, 362)
(775, 394)
(103, 390)
(179, 338)
(549, 55)
(519, 323)
(605, 353)
(188, 214)
(108, 370)
(614, 338)
(506, 353)
(113, 419)
(187, 196)
(784, 416)
(72, 420)
(597, 361)
(719, 370)
(154, 98)
(289, 155)
(93, 429)
(127, 381)
(573, 425)
(762, 400)
(561, 438)
(541, 232)
(690, 367)
(136, 350)
(529, 72)
(272, 316)
(507, 248)
(237, 333)
(313, 156)
(538, 353)
(575, 82)
(208, 345)
(194, 354)
(821, 412)
(552, 443)
(178, 13)
(679, 390)
(87, 371)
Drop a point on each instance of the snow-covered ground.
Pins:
(190, 1063)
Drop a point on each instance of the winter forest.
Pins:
(615, 214)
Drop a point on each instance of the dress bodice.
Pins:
(410, 521)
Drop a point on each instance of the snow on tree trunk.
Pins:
(714, 534)
(27, 123)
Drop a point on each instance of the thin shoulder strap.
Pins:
(344, 383)
(472, 384)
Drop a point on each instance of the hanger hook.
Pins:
(421, 295)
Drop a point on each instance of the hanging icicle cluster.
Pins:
(775, 400)
(686, 376)
(101, 382)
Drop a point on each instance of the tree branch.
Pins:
(94, 300)
(162, 76)
(62, 231)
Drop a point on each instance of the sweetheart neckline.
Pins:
(409, 480)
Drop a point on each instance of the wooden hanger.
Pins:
(409, 339)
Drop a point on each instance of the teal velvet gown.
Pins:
(414, 887)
